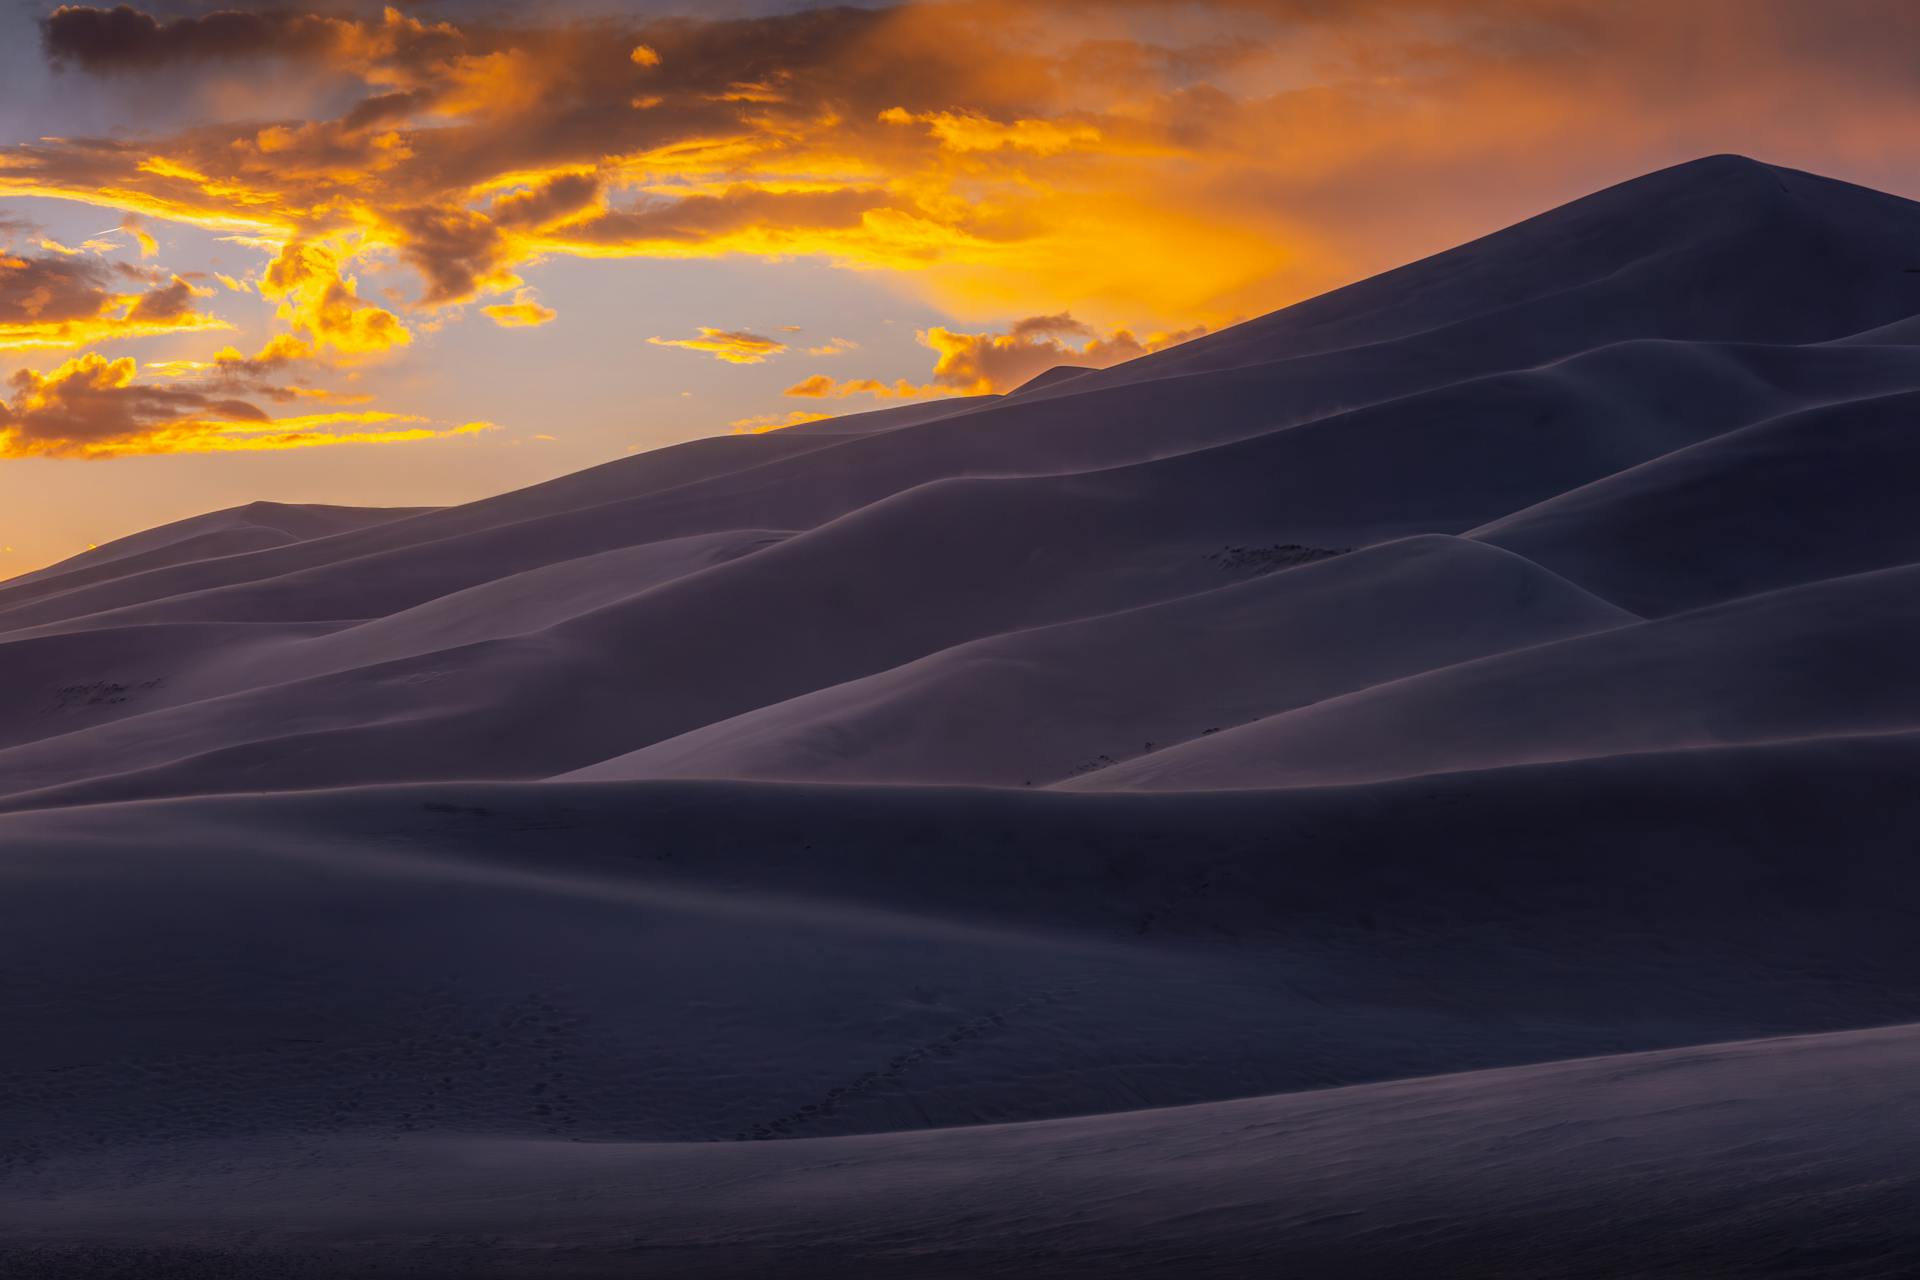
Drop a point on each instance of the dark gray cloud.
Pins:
(124, 38)
(50, 290)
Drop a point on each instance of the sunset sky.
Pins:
(421, 254)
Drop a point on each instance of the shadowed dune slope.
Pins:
(1814, 494)
(1691, 252)
(938, 565)
(218, 534)
(1032, 707)
(1833, 658)
(1725, 1159)
(537, 966)
(679, 961)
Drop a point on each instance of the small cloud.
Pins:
(522, 313)
(818, 385)
(645, 55)
(837, 347)
(136, 227)
(169, 302)
(735, 346)
(823, 387)
(972, 364)
(982, 363)
(763, 423)
(971, 131)
(316, 297)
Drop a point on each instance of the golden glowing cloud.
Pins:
(975, 363)
(821, 386)
(966, 131)
(931, 140)
(522, 313)
(734, 346)
(69, 301)
(1151, 166)
(972, 364)
(760, 424)
(135, 226)
(93, 407)
(322, 303)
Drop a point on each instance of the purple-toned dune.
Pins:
(1420, 783)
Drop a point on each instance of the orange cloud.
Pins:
(968, 131)
(977, 363)
(834, 347)
(317, 299)
(236, 372)
(1157, 164)
(92, 407)
(70, 302)
(821, 386)
(871, 138)
(136, 227)
(735, 346)
(971, 364)
(522, 313)
(763, 423)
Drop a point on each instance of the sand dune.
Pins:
(799, 962)
(747, 949)
(1697, 251)
(1834, 658)
(1240, 803)
(1118, 685)
(216, 535)
(942, 564)
(1811, 495)
(1719, 1160)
